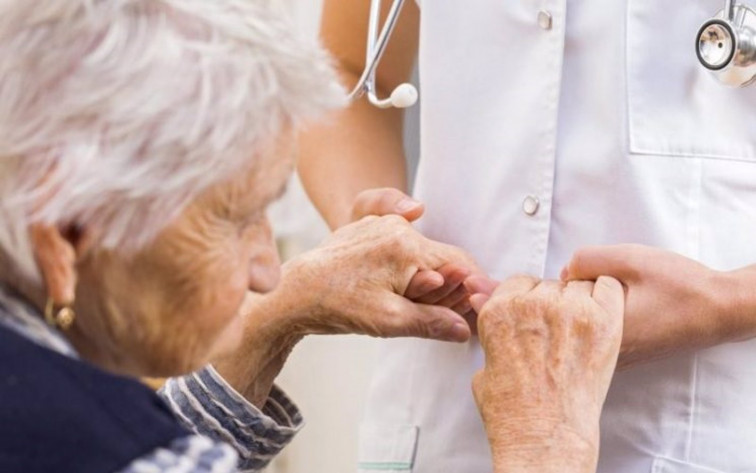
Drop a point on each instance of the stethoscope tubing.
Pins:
(376, 49)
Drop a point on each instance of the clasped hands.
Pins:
(551, 346)
(674, 304)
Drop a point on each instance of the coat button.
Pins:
(530, 205)
(545, 20)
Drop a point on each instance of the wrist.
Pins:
(544, 450)
(735, 303)
(253, 370)
(270, 333)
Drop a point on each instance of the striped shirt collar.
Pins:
(18, 315)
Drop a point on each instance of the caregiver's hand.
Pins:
(437, 286)
(673, 303)
(551, 350)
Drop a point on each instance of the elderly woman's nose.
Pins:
(265, 264)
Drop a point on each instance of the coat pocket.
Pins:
(387, 448)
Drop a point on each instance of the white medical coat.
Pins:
(605, 118)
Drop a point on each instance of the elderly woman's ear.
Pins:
(56, 251)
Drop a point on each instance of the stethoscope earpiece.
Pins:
(404, 96)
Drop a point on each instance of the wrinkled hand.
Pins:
(551, 350)
(434, 286)
(353, 283)
(356, 281)
(672, 301)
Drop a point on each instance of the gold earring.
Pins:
(62, 317)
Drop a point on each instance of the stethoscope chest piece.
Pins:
(726, 45)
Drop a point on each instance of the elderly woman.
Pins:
(140, 143)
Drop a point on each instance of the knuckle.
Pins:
(609, 283)
(401, 233)
(434, 328)
(369, 220)
(395, 322)
(550, 286)
(586, 320)
(413, 323)
(524, 306)
(584, 324)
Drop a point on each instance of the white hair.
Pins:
(117, 113)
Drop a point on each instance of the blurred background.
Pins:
(328, 377)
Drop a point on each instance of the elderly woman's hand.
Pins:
(356, 282)
(551, 349)
(353, 283)
(442, 286)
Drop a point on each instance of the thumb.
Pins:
(386, 201)
(589, 263)
(431, 322)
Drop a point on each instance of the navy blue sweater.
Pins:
(62, 415)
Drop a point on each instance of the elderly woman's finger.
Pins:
(457, 296)
(463, 307)
(477, 301)
(472, 320)
(478, 284)
(423, 282)
(454, 275)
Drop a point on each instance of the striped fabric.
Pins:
(204, 403)
(193, 454)
(232, 435)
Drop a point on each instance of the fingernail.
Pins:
(460, 331)
(405, 205)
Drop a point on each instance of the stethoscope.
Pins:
(406, 94)
(725, 45)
